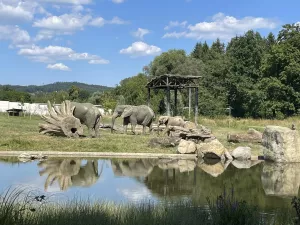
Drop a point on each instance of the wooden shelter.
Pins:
(15, 112)
(175, 82)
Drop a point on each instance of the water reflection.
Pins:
(69, 172)
(281, 179)
(259, 183)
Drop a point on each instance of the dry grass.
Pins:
(21, 133)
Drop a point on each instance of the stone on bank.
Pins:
(281, 144)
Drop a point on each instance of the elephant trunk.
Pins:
(114, 116)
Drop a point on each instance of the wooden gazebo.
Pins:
(175, 82)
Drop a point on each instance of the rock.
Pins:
(211, 149)
(164, 141)
(186, 147)
(25, 157)
(281, 179)
(189, 125)
(241, 153)
(281, 144)
(252, 136)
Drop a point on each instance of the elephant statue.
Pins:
(171, 121)
(70, 172)
(135, 115)
(89, 115)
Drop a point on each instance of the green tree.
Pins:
(167, 63)
(281, 70)
(245, 54)
(73, 92)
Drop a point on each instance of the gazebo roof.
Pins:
(173, 81)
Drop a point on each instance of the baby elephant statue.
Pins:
(171, 121)
(135, 115)
(89, 115)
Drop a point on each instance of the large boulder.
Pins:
(186, 147)
(241, 153)
(281, 144)
(183, 165)
(252, 136)
(189, 125)
(213, 149)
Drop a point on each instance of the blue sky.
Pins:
(104, 41)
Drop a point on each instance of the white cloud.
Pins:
(223, 27)
(14, 34)
(58, 66)
(176, 24)
(51, 54)
(99, 61)
(44, 35)
(141, 49)
(140, 33)
(66, 22)
(12, 11)
(75, 2)
(99, 21)
(15, 13)
(118, 1)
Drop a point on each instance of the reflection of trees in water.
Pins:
(69, 172)
(164, 179)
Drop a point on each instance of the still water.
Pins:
(269, 186)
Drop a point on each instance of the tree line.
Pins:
(256, 76)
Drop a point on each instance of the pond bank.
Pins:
(54, 154)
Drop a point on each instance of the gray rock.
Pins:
(241, 153)
(281, 144)
(186, 147)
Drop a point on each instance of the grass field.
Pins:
(21, 133)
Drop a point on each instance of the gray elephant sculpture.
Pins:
(89, 115)
(171, 121)
(135, 115)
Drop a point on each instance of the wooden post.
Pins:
(196, 106)
(168, 98)
(190, 102)
(148, 100)
(175, 96)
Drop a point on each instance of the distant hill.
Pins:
(58, 86)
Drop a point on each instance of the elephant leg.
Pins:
(144, 129)
(90, 132)
(133, 122)
(125, 124)
(97, 128)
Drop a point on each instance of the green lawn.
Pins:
(21, 133)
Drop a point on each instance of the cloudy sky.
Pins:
(104, 41)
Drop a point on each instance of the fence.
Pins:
(31, 109)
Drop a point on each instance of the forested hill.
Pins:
(58, 86)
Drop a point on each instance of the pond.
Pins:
(269, 186)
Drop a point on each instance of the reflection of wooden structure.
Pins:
(15, 112)
(170, 82)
